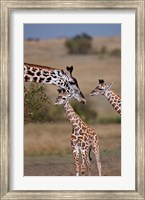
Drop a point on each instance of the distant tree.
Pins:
(80, 44)
(37, 39)
(30, 39)
(103, 50)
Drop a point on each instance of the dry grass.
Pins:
(48, 150)
(55, 138)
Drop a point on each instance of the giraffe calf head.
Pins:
(101, 88)
(62, 98)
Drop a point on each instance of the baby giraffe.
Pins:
(83, 138)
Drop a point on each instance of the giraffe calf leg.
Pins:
(97, 157)
(83, 169)
(76, 159)
(84, 163)
(98, 164)
(88, 163)
(99, 167)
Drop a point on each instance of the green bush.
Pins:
(35, 101)
(37, 105)
(80, 44)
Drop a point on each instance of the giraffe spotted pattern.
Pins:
(50, 75)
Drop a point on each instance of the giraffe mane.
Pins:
(42, 67)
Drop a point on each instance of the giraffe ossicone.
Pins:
(54, 76)
(83, 138)
(112, 97)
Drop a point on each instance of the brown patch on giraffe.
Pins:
(116, 107)
(27, 78)
(41, 79)
(81, 132)
(30, 73)
(77, 121)
(35, 79)
(68, 112)
(79, 124)
(48, 80)
(38, 73)
(70, 115)
(73, 137)
(113, 98)
(34, 69)
(76, 128)
(46, 73)
(83, 128)
(83, 144)
(113, 105)
(109, 98)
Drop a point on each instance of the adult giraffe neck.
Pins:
(43, 74)
(53, 76)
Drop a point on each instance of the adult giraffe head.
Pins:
(73, 87)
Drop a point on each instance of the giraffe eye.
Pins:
(72, 83)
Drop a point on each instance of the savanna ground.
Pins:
(48, 150)
(47, 147)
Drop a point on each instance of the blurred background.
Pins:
(94, 50)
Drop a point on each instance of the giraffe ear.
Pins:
(101, 81)
(109, 85)
(70, 69)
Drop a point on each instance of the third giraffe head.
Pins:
(101, 88)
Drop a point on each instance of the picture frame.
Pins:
(139, 7)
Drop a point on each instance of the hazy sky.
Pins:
(45, 31)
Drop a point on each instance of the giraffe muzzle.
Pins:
(92, 93)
